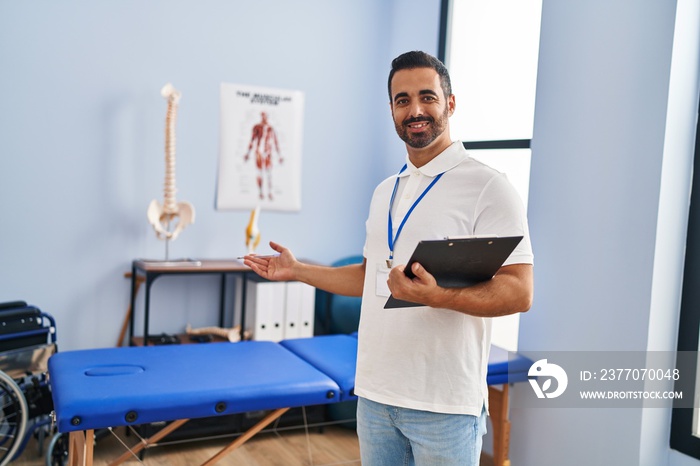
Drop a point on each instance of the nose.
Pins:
(416, 109)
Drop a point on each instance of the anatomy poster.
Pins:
(260, 148)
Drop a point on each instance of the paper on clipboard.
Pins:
(459, 262)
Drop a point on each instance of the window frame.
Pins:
(682, 437)
(445, 6)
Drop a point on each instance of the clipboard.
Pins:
(459, 262)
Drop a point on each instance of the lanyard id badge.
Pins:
(390, 227)
(381, 285)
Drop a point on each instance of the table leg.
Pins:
(147, 307)
(80, 448)
(127, 318)
(132, 302)
(498, 407)
(222, 300)
(267, 420)
(145, 443)
(244, 287)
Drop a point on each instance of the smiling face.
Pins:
(421, 110)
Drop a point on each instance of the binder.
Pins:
(299, 312)
(279, 310)
(458, 262)
(265, 304)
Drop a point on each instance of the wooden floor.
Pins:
(333, 446)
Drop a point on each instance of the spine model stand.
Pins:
(252, 232)
(162, 216)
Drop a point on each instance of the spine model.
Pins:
(161, 216)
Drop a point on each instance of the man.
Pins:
(421, 371)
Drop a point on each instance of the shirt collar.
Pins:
(446, 160)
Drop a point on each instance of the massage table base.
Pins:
(79, 454)
(81, 442)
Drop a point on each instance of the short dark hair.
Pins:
(418, 59)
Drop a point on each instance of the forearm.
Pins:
(510, 291)
(347, 280)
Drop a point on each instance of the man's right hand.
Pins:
(277, 267)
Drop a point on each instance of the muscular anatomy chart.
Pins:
(262, 143)
(260, 149)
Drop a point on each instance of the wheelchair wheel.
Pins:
(57, 452)
(13, 418)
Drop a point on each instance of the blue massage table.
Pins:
(100, 388)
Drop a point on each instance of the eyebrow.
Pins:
(423, 92)
(399, 95)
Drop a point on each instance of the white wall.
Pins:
(81, 147)
(612, 155)
(81, 140)
(414, 25)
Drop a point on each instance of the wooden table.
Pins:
(147, 271)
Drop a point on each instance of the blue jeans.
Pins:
(391, 436)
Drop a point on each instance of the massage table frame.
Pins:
(318, 370)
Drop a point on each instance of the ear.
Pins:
(451, 105)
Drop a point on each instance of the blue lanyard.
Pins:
(392, 239)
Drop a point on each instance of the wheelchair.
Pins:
(27, 341)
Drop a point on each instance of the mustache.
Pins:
(409, 121)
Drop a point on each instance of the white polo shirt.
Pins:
(421, 357)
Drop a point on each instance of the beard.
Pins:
(423, 139)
